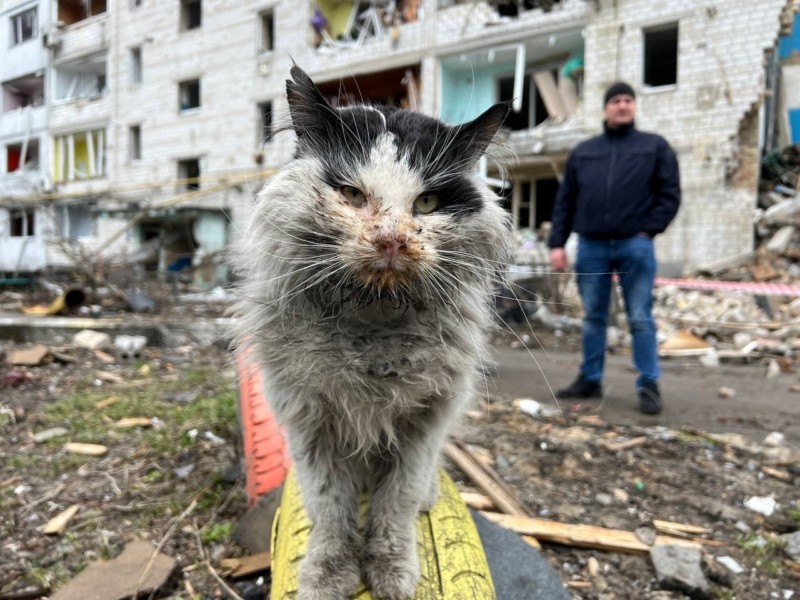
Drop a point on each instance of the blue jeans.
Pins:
(633, 259)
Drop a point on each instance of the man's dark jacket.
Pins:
(618, 184)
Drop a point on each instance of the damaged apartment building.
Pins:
(135, 133)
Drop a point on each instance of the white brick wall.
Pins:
(720, 78)
(721, 55)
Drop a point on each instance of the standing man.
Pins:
(620, 190)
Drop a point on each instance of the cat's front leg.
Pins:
(330, 569)
(391, 565)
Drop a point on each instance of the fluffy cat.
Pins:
(367, 276)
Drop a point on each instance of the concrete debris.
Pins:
(135, 571)
(792, 544)
(28, 357)
(91, 340)
(129, 346)
(48, 434)
(726, 393)
(774, 440)
(730, 563)
(764, 505)
(678, 568)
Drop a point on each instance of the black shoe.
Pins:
(650, 399)
(580, 388)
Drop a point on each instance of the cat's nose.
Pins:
(390, 248)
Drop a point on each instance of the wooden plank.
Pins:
(246, 565)
(58, 524)
(489, 481)
(548, 90)
(477, 473)
(581, 536)
(86, 449)
(626, 445)
(682, 527)
(477, 501)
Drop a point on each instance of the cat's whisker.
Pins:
(524, 345)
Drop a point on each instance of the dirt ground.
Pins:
(178, 482)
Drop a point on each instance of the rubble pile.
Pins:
(777, 225)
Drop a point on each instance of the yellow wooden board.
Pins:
(452, 561)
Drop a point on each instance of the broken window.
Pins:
(191, 14)
(73, 11)
(22, 221)
(532, 202)
(189, 94)
(76, 221)
(23, 92)
(393, 87)
(189, 174)
(264, 122)
(266, 36)
(23, 26)
(79, 155)
(135, 142)
(82, 78)
(531, 113)
(136, 65)
(660, 55)
(23, 155)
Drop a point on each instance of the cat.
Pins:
(367, 273)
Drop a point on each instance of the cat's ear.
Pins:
(474, 137)
(311, 114)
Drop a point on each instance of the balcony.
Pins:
(72, 114)
(23, 121)
(468, 21)
(83, 37)
(548, 138)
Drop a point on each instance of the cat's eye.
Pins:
(354, 196)
(426, 203)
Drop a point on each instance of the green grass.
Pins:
(215, 412)
(765, 551)
(216, 532)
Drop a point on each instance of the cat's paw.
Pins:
(392, 575)
(326, 575)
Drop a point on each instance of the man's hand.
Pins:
(558, 259)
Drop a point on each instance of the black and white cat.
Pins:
(368, 269)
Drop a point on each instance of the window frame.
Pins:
(660, 28)
(16, 21)
(182, 85)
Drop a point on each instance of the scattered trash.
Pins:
(528, 406)
(764, 505)
(91, 340)
(774, 440)
(58, 524)
(726, 393)
(129, 422)
(214, 439)
(86, 449)
(773, 369)
(48, 434)
(130, 347)
(28, 357)
(139, 302)
(138, 570)
(183, 471)
(730, 564)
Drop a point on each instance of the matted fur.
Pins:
(368, 359)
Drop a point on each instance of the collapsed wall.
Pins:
(712, 114)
